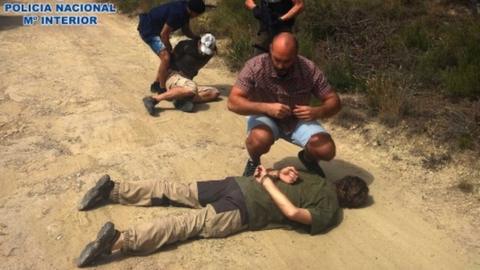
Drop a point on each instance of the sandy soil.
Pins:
(71, 111)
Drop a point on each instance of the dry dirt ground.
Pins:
(71, 111)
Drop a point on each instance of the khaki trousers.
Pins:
(203, 222)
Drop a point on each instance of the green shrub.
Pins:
(340, 75)
(462, 81)
(465, 141)
(453, 62)
(416, 37)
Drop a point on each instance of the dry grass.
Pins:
(388, 94)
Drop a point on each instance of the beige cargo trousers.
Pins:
(214, 216)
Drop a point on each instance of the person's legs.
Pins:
(206, 222)
(159, 49)
(320, 147)
(262, 133)
(224, 214)
(150, 193)
(262, 43)
(174, 93)
(164, 56)
(206, 94)
(180, 90)
(317, 144)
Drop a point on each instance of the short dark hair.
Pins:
(352, 192)
(197, 6)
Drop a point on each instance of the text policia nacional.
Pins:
(60, 10)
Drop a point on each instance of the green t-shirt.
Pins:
(310, 192)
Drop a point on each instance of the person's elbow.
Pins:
(231, 106)
(292, 213)
(338, 104)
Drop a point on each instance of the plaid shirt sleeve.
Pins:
(321, 87)
(245, 79)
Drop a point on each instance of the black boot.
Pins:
(97, 194)
(250, 168)
(310, 165)
(155, 88)
(106, 237)
(150, 103)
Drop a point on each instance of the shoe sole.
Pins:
(87, 200)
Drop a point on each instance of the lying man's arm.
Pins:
(292, 212)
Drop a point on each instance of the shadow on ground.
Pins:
(334, 169)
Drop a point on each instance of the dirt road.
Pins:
(71, 111)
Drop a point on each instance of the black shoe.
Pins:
(97, 194)
(150, 103)
(155, 88)
(250, 168)
(183, 105)
(310, 165)
(106, 237)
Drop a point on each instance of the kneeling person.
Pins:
(285, 198)
(189, 56)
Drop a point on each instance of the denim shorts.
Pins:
(155, 44)
(299, 136)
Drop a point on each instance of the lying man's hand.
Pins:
(306, 113)
(288, 175)
(259, 173)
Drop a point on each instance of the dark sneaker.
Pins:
(183, 105)
(106, 237)
(250, 168)
(97, 194)
(155, 88)
(150, 103)
(310, 165)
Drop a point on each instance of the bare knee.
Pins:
(260, 138)
(213, 94)
(321, 147)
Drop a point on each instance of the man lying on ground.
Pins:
(285, 198)
(189, 56)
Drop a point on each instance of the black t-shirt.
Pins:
(174, 14)
(187, 58)
(310, 192)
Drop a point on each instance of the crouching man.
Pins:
(285, 198)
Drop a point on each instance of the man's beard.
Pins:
(282, 73)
